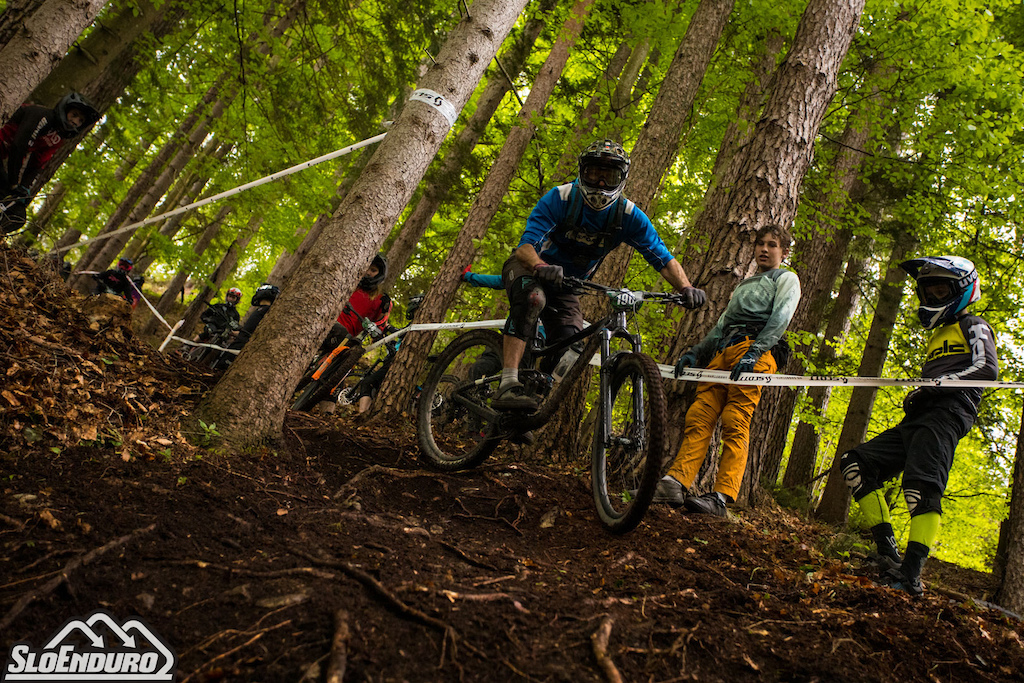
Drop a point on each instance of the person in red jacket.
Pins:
(28, 140)
(366, 302)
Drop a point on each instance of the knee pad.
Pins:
(849, 463)
(922, 497)
(526, 301)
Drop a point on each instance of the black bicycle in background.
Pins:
(629, 433)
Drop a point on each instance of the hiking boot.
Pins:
(908, 577)
(887, 555)
(670, 492)
(513, 397)
(712, 503)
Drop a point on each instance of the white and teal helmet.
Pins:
(946, 285)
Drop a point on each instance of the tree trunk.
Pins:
(1011, 588)
(653, 155)
(771, 169)
(88, 59)
(15, 15)
(177, 283)
(400, 382)
(803, 456)
(818, 261)
(835, 501)
(227, 264)
(442, 179)
(249, 403)
(36, 48)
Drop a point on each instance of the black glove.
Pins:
(687, 360)
(549, 275)
(693, 297)
(746, 364)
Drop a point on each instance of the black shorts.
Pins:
(921, 446)
(562, 316)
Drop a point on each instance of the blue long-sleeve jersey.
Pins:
(579, 248)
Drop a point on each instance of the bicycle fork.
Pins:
(639, 429)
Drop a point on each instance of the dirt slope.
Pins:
(246, 564)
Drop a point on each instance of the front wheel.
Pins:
(317, 390)
(454, 421)
(629, 443)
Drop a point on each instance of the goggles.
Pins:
(935, 291)
(596, 176)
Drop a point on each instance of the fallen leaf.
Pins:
(50, 520)
(281, 512)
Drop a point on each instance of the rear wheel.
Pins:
(626, 462)
(317, 390)
(454, 420)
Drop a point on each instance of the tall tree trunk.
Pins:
(441, 180)
(249, 403)
(88, 59)
(177, 283)
(653, 155)
(835, 501)
(803, 457)
(1011, 588)
(15, 15)
(36, 48)
(771, 168)
(401, 379)
(818, 261)
(226, 266)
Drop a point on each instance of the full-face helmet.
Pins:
(233, 296)
(946, 285)
(265, 293)
(125, 264)
(413, 306)
(604, 167)
(373, 282)
(70, 102)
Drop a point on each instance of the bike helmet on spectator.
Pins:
(368, 282)
(265, 292)
(604, 167)
(125, 264)
(233, 293)
(74, 101)
(946, 285)
(413, 306)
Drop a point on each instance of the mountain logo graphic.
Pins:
(99, 649)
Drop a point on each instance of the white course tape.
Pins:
(748, 378)
(438, 102)
(227, 193)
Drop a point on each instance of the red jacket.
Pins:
(360, 305)
(28, 140)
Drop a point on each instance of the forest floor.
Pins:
(338, 549)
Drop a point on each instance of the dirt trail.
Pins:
(246, 565)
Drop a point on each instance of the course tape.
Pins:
(748, 378)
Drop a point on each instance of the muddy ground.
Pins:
(339, 552)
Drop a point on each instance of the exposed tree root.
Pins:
(65, 573)
(599, 642)
(339, 648)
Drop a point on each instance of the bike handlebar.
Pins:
(667, 297)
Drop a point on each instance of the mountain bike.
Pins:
(629, 436)
(326, 374)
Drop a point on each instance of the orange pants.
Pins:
(735, 404)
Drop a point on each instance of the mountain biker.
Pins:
(753, 322)
(922, 445)
(119, 281)
(568, 233)
(366, 302)
(217, 317)
(28, 140)
(262, 298)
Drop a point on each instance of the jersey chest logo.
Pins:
(947, 341)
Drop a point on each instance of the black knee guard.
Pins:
(526, 301)
(922, 497)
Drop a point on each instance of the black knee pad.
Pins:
(526, 301)
(922, 497)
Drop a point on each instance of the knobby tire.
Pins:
(433, 453)
(621, 511)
